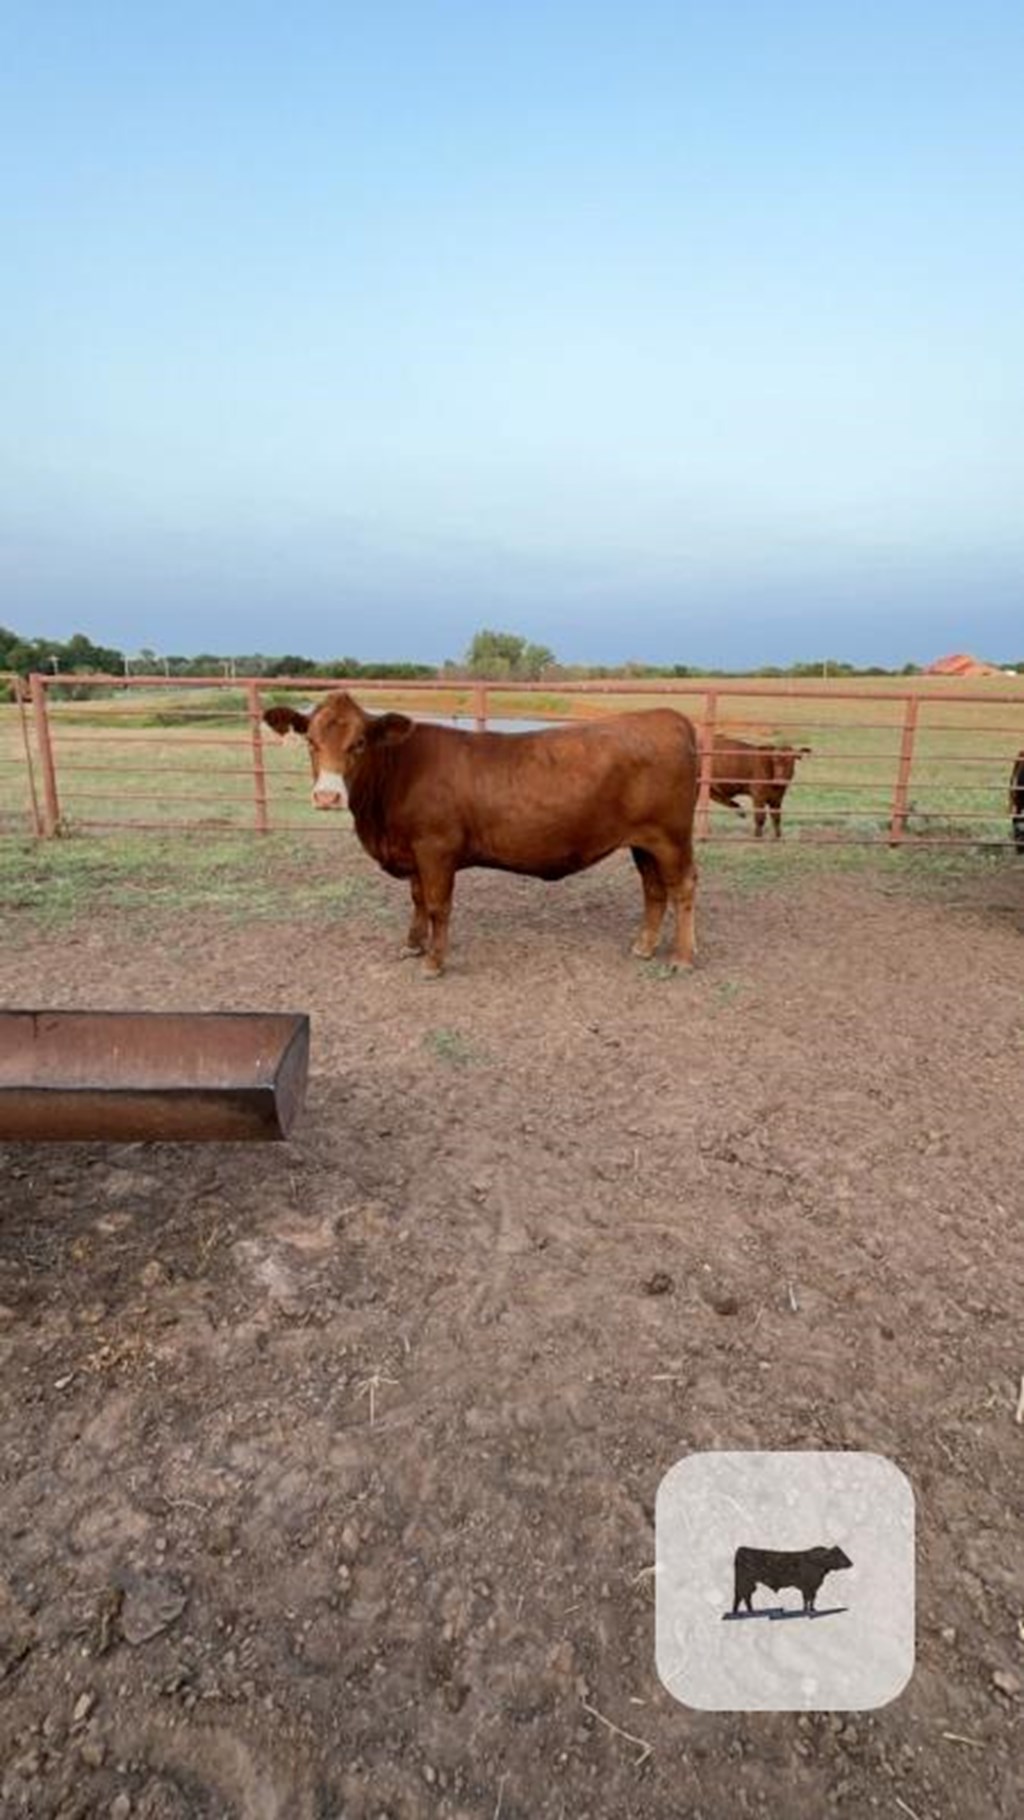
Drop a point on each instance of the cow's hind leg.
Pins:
(684, 897)
(419, 928)
(682, 889)
(679, 876)
(655, 904)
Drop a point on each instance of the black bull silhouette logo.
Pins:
(803, 1568)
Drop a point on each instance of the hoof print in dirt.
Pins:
(658, 1283)
(721, 1301)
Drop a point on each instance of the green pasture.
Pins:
(153, 759)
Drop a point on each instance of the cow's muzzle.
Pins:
(329, 791)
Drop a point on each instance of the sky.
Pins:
(659, 331)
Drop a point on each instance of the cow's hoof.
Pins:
(432, 970)
(410, 952)
(679, 966)
(643, 951)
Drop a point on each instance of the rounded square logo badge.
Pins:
(784, 1581)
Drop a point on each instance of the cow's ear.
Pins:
(388, 729)
(286, 720)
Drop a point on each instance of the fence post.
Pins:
(41, 718)
(897, 824)
(705, 736)
(480, 706)
(259, 774)
(19, 693)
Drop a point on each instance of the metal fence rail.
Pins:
(928, 764)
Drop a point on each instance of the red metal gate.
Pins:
(927, 764)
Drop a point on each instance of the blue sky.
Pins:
(660, 331)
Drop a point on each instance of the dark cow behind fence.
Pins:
(429, 801)
(764, 773)
(804, 1568)
(1017, 801)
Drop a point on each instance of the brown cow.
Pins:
(1017, 802)
(428, 801)
(764, 773)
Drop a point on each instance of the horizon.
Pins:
(658, 336)
(462, 665)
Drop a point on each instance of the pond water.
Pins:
(468, 725)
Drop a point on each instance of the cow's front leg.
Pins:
(419, 929)
(655, 902)
(776, 814)
(437, 877)
(759, 820)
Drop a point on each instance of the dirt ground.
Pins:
(328, 1468)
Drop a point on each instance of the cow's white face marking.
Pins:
(329, 791)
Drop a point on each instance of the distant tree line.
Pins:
(491, 656)
(79, 655)
(500, 656)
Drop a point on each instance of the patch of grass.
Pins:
(660, 970)
(781, 865)
(449, 1047)
(728, 990)
(752, 870)
(241, 878)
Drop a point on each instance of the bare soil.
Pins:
(328, 1468)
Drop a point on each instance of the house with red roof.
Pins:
(961, 665)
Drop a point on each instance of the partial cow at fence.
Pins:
(429, 801)
(764, 773)
(1017, 801)
(804, 1568)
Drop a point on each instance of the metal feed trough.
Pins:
(167, 1077)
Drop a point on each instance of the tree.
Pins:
(290, 665)
(78, 653)
(500, 655)
(81, 654)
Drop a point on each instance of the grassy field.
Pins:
(282, 878)
(155, 759)
(245, 881)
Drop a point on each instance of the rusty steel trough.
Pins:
(168, 1077)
